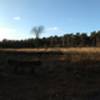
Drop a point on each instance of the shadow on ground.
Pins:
(51, 80)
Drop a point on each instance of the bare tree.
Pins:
(37, 30)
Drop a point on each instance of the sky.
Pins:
(18, 17)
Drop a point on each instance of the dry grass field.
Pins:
(66, 54)
(50, 74)
(82, 49)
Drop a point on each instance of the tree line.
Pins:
(67, 40)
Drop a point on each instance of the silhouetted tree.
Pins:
(93, 38)
(67, 40)
(98, 39)
(37, 30)
(83, 37)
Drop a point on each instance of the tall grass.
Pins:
(78, 78)
(82, 49)
(63, 54)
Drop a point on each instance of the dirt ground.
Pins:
(59, 81)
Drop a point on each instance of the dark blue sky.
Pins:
(58, 16)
